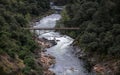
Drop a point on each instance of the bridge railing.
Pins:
(76, 28)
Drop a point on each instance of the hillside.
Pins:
(17, 47)
(99, 34)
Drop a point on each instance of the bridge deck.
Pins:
(52, 28)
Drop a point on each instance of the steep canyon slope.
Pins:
(99, 34)
(17, 47)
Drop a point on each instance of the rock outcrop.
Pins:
(46, 60)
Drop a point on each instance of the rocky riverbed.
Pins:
(46, 60)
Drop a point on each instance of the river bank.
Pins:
(99, 65)
(46, 60)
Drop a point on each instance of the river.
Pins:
(66, 62)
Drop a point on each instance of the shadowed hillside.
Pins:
(16, 45)
(99, 34)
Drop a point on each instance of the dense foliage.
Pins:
(14, 15)
(99, 23)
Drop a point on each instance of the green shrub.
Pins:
(29, 61)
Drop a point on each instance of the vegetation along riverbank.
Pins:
(17, 47)
(99, 34)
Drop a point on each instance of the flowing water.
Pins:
(66, 62)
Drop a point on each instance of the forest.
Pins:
(17, 45)
(99, 23)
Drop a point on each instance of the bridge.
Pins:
(65, 28)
